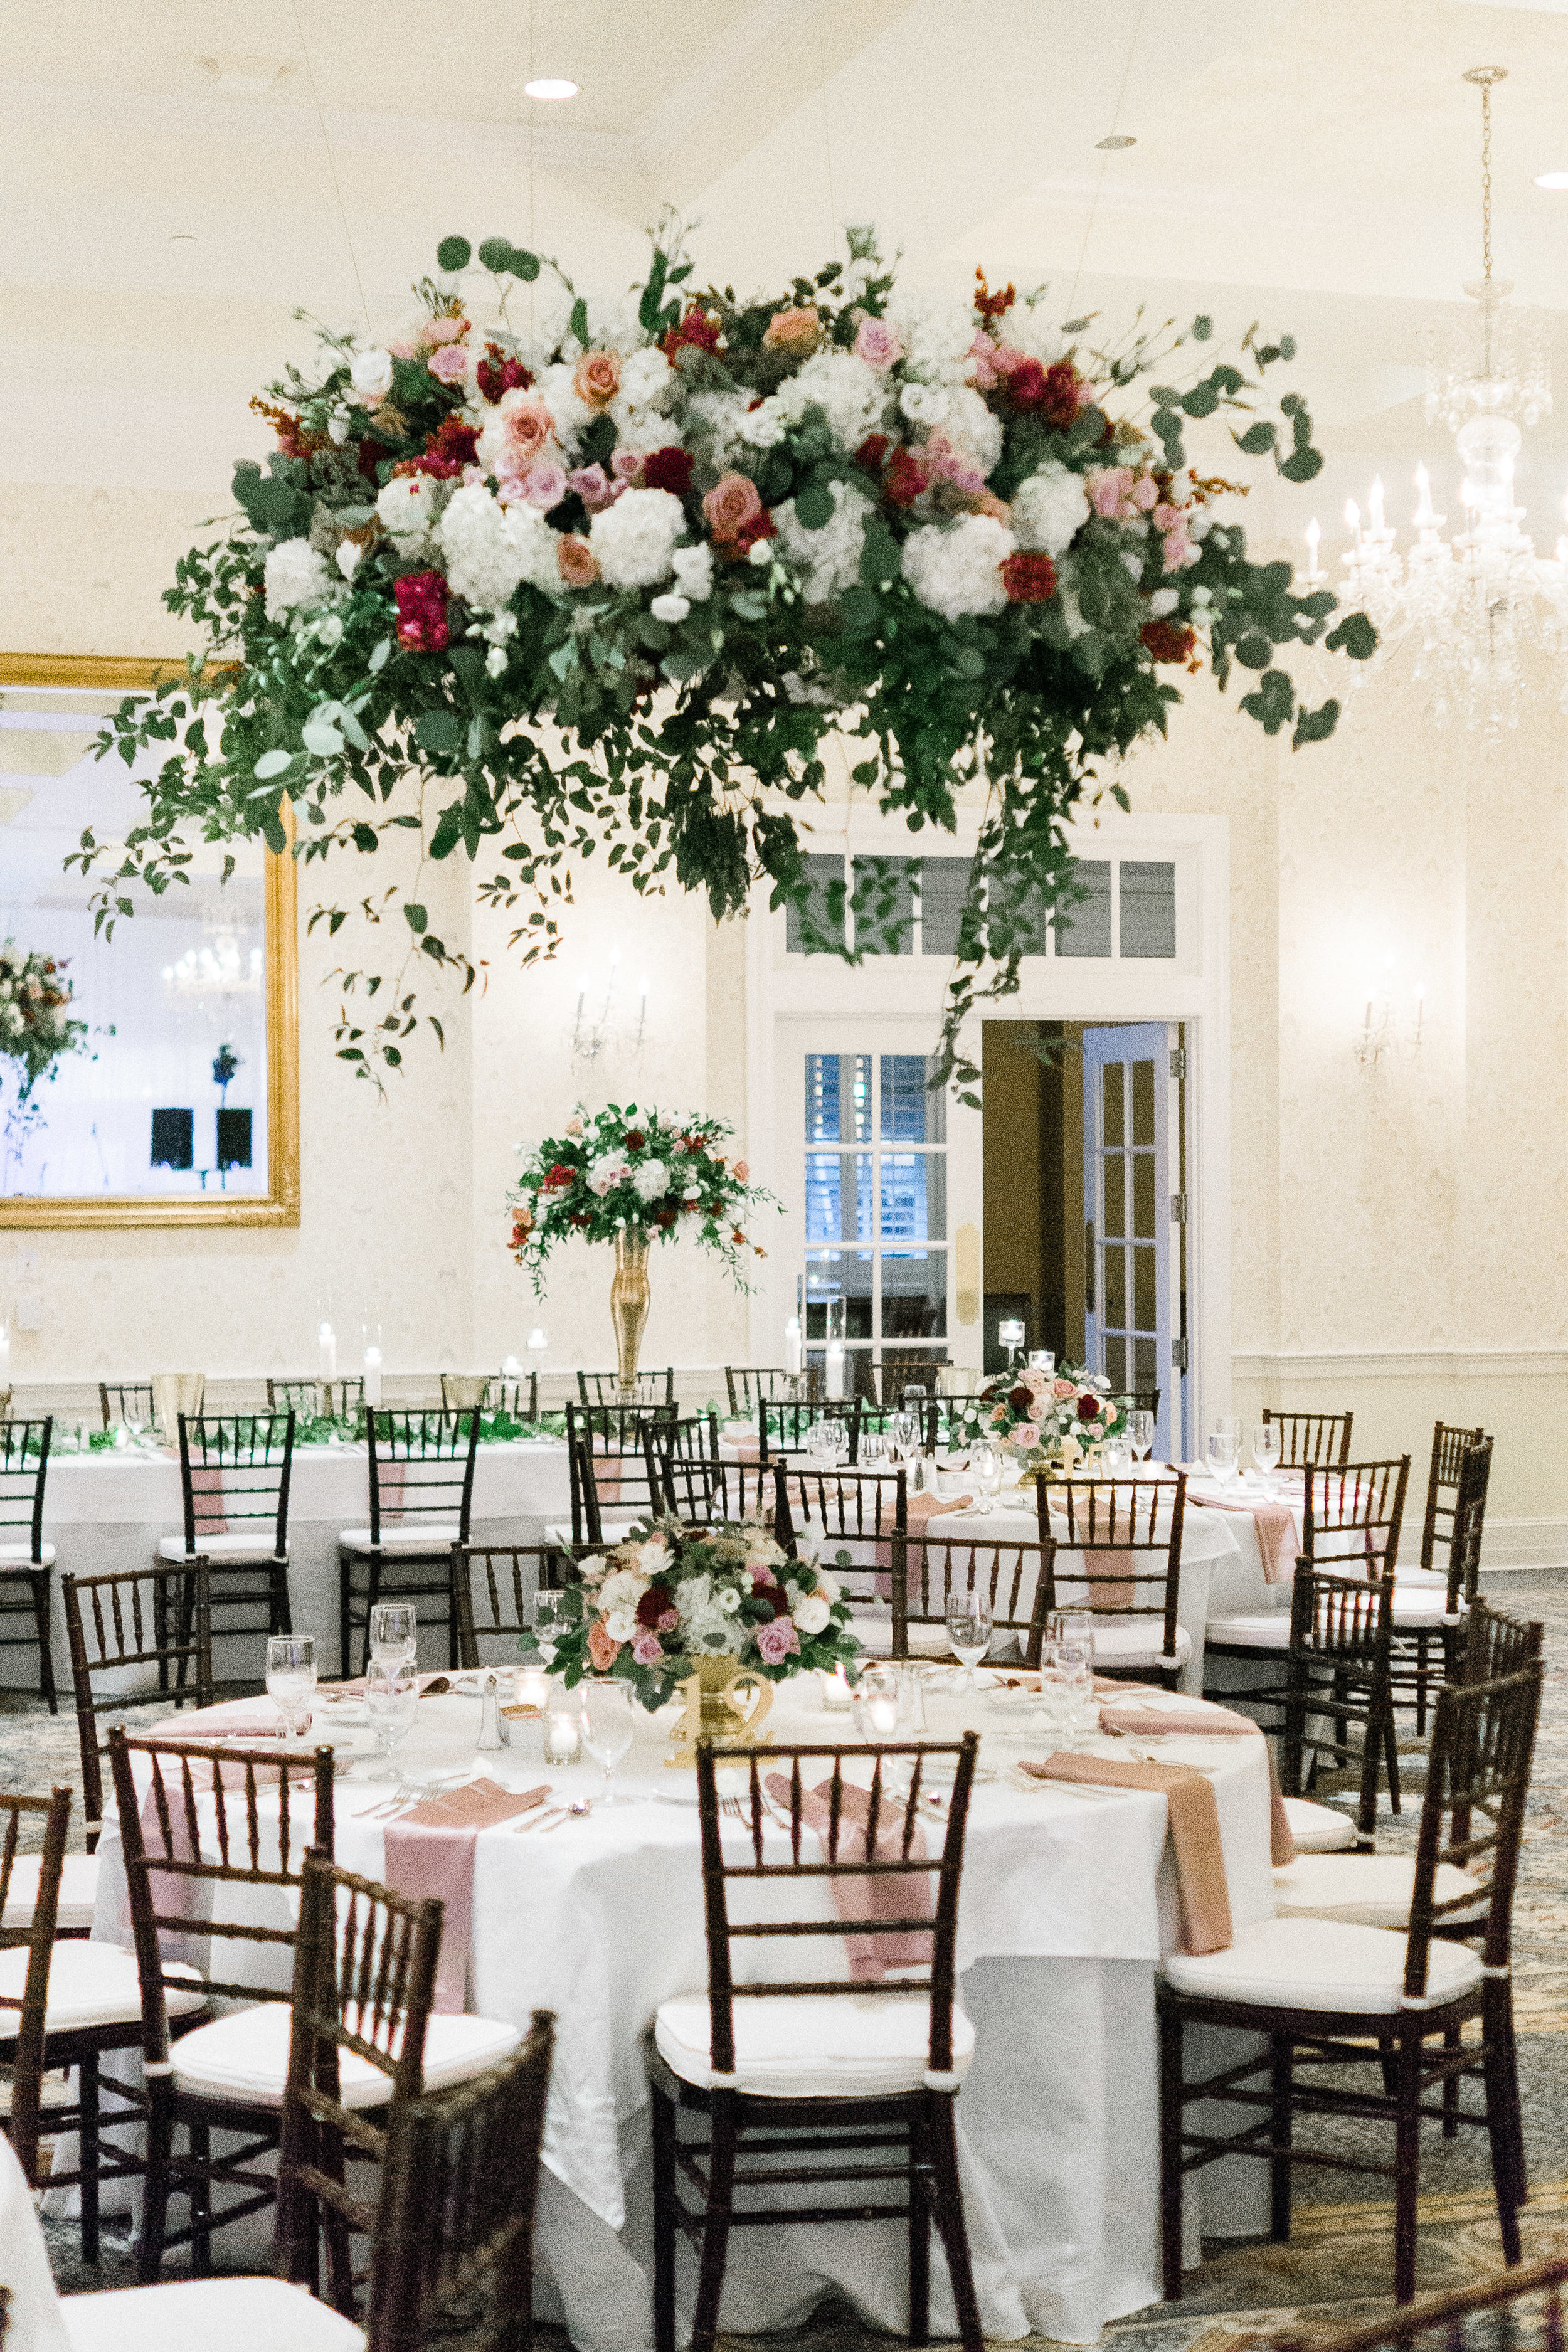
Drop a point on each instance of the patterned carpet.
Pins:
(1338, 2267)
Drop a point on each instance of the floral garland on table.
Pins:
(613, 1168)
(1036, 1408)
(649, 1609)
(694, 534)
(36, 1027)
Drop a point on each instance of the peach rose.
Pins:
(443, 330)
(528, 428)
(601, 1648)
(742, 1171)
(730, 505)
(597, 378)
(576, 562)
(797, 331)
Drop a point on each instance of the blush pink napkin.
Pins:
(1278, 1542)
(430, 1851)
(918, 1509)
(429, 1685)
(1200, 1719)
(1195, 1845)
(897, 1895)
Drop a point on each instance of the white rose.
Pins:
(1048, 506)
(623, 1590)
(828, 1585)
(620, 1625)
(645, 376)
(406, 505)
(730, 1601)
(924, 404)
(369, 372)
(653, 1177)
(1163, 601)
(761, 428)
(296, 574)
(812, 1613)
(671, 608)
(693, 568)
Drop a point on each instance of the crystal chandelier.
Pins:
(1468, 609)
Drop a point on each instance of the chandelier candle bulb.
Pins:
(1375, 504)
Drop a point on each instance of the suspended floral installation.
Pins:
(546, 578)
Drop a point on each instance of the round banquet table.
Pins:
(1067, 1904)
(107, 1510)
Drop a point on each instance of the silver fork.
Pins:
(735, 1808)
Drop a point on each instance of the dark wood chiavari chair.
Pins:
(421, 1468)
(897, 1372)
(459, 2178)
(124, 1403)
(1363, 1996)
(864, 1506)
(1337, 1731)
(149, 1633)
(342, 1399)
(752, 1384)
(26, 1559)
(1129, 1531)
(1311, 1440)
(213, 1817)
(725, 2068)
(612, 1460)
(24, 1983)
(1434, 1609)
(234, 1470)
(1450, 1446)
(927, 1568)
(1520, 2312)
(495, 1585)
(651, 1388)
(926, 1413)
(685, 1471)
(362, 2042)
(782, 1427)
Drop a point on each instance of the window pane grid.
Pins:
(913, 906)
(893, 1198)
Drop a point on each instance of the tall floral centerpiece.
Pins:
(1034, 1411)
(36, 1030)
(629, 1177)
(545, 573)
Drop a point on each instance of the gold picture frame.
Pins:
(279, 1205)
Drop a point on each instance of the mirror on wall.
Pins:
(148, 1069)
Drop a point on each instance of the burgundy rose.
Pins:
(1027, 385)
(368, 454)
(496, 374)
(1020, 1398)
(559, 1178)
(1168, 641)
(697, 328)
(1089, 1408)
(454, 440)
(1063, 384)
(872, 452)
(1029, 579)
(907, 477)
(665, 1218)
(421, 599)
(654, 1606)
(667, 469)
(635, 1138)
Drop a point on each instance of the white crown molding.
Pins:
(1447, 1364)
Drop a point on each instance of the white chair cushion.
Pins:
(89, 1984)
(1268, 1630)
(1421, 1611)
(435, 1535)
(1424, 1580)
(242, 2315)
(1371, 1889)
(1319, 1964)
(1137, 1641)
(21, 1555)
(244, 2056)
(812, 2045)
(1318, 1829)
(250, 1547)
(79, 1891)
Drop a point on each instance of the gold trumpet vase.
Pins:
(628, 1302)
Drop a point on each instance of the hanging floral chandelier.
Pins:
(1466, 612)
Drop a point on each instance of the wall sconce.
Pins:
(592, 1032)
(1386, 1029)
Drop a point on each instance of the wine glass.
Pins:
(292, 1680)
(873, 1449)
(607, 1725)
(395, 1632)
(1266, 1446)
(900, 1435)
(1141, 1433)
(390, 1696)
(1069, 1650)
(968, 1630)
(549, 1624)
(985, 1470)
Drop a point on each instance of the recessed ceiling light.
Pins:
(1117, 139)
(1552, 179)
(550, 90)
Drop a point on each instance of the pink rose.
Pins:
(400, 351)
(627, 466)
(544, 484)
(1006, 358)
(443, 330)
(1065, 1389)
(668, 1623)
(1037, 1409)
(597, 378)
(601, 1648)
(647, 1648)
(1107, 487)
(878, 344)
(576, 561)
(731, 504)
(449, 364)
(740, 1171)
(594, 487)
(982, 352)
(761, 1574)
(527, 428)
(1145, 491)
(777, 1641)
(946, 461)
(572, 1127)
(1179, 549)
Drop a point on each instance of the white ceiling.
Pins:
(1312, 161)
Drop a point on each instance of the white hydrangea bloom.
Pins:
(639, 429)
(973, 423)
(936, 333)
(762, 427)
(645, 376)
(954, 567)
(926, 403)
(406, 505)
(717, 418)
(653, 1177)
(544, 326)
(573, 414)
(850, 394)
(670, 607)
(1030, 329)
(634, 540)
(1048, 506)
(296, 574)
(830, 556)
(489, 549)
(693, 568)
(612, 1168)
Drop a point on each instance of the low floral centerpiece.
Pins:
(677, 1601)
(628, 1177)
(1033, 1410)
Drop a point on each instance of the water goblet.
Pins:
(395, 1632)
(390, 1696)
(900, 1435)
(292, 1680)
(1266, 1446)
(1141, 1433)
(985, 1470)
(607, 1726)
(873, 1449)
(1069, 1651)
(968, 1630)
(549, 1622)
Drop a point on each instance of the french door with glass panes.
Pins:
(1132, 1317)
(874, 1231)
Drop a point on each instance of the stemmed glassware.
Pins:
(1141, 1433)
(985, 1470)
(873, 1449)
(395, 1632)
(1070, 1656)
(607, 1725)
(969, 1630)
(292, 1680)
(1266, 1446)
(1224, 1448)
(900, 1435)
(390, 1696)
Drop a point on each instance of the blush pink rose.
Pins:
(527, 428)
(878, 344)
(1108, 486)
(400, 351)
(647, 1648)
(626, 466)
(777, 1641)
(731, 503)
(1145, 492)
(740, 1171)
(761, 1573)
(1065, 1389)
(443, 330)
(594, 487)
(601, 1648)
(544, 484)
(597, 378)
(449, 364)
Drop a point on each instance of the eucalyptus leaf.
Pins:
(454, 253)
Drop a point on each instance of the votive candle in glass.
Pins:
(563, 1735)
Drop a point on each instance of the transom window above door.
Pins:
(1126, 909)
(876, 1212)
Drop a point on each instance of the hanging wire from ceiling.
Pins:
(331, 164)
(826, 137)
(1105, 157)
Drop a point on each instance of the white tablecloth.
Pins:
(107, 1510)
(1068, 1905)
